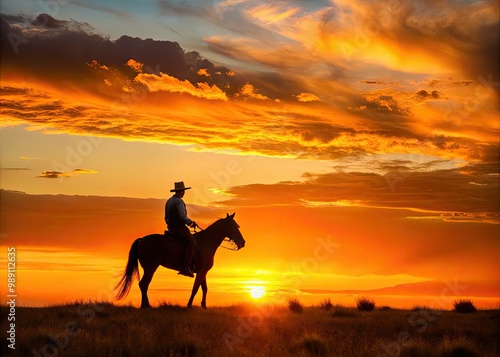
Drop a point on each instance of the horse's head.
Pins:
(233, 231)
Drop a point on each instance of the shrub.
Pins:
(295, 306)
(385, 308)
(313, 345)
(464, 306)
(326, 305)
(365, 304)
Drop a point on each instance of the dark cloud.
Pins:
(53, 174)
(21, 46)
(463, 194)
(383, 104)
(426, 94)
(59, 174)
(96, 63)
(114, 220)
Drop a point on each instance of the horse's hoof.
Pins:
(204, 306)
(189, 306)
(145, 306)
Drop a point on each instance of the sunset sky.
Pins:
(368, 130)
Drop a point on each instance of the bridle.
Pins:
(233, 245)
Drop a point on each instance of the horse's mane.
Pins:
(229, 243)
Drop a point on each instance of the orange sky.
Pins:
(370, 125)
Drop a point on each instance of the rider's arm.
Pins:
(181, 209)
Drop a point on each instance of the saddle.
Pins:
(172, 237)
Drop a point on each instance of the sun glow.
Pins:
(256, 292)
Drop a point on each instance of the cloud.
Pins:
(167, 83)
(270, 14)
(249, 91)
(24, 157)
(53, 175)
(15, 168)
(123, 87)
(135, 65)
(444, 193)
(84, 171)
(59, 174)
(307, 97)
(203, 72)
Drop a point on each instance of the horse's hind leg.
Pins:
(144, 284)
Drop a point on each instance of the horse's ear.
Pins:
(232, 216)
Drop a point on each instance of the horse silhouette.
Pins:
(155, 249)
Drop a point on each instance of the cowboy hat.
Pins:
(179, 186)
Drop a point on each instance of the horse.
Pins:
(155, 249)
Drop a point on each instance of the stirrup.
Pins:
(186, 272)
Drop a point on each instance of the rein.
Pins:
(233, 246)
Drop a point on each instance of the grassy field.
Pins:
(88, 329)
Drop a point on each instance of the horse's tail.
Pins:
(131, 272)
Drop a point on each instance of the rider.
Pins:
(177, 222)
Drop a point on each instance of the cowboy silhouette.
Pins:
(177, 222)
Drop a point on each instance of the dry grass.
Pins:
(93, 329)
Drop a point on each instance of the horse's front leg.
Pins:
(200, 277)
(204, 289)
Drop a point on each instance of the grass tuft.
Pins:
(464, 306)
(457, 348)
(326, 305)
(313, 345)
(169, 306)
(448, 348)
(295, 306)
(365, 304)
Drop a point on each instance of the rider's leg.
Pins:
(188, 256)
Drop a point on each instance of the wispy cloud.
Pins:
(59, 174)
(15, 168)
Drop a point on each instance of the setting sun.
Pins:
(256, 292)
